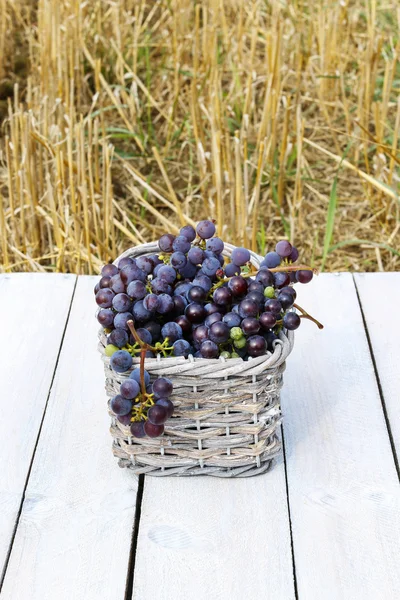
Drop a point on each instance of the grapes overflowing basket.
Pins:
(191, 392)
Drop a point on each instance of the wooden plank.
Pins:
(205, 537)
(343, 487)
(75, 531)
(379, 296)
(33, 312)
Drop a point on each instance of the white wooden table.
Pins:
(324, 524)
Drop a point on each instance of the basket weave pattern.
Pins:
(226, 410)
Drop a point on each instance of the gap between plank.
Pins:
(135, 534)
(7, 560)
(289, 515)
(378, 381)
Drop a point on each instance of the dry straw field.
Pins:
(121, 119)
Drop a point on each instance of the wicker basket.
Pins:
(226, 416)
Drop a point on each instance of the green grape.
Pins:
(110, 349)
(235, 355)
(269, 292)
(225, 354)
(236, 333)
(240, 343)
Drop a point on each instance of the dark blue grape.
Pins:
(209, 349)
(182, 348)
(118, 337)
(146, 264)
(105, 317)
(291, 321)
(205, 229)
(137, 429)
(157, 414)
(109, 270)
(135, 375)
(231, 269)
(151, 302)
(117, 285)
(155, 330)
(166, 304)
(250, 326)
(181, 244)
(267, 320)
(271, 260)
(281, 279)
(129, 389)
(294, 255)
(104, 282)
(256, 297)
(232, 319)
(210, 266)
(167, 273)
(223, 296)
(196, 255)
(273, 305)
(165, 242)
(184, 324)
(188, 232)
(283, 248)
(238, 286)
(136, 290)
(256, 345)
(286, 300)
(189, 271)
(211, 307)
(144, 335)
(126, 261)
(182, 288)
(304, 276)
(288, 289)
(162, 387)
(120, 406)
(270, 338)
(122, 303)
(121, 361)
(172, 331)
(140, 313)
(195, 312)
(167, 404)
(213, 318)
(215, 244)
(248, 308)
(265, 277)
(153, 431)
(104, 298)
(178, 260)
(96, 288)
(255, 286)
(180, 304)
(124, 419)
(156, 260)
(160, 286)
(219, 332)
(131, 273)
(196, 294)
(203, 281)
(200, 334)
(240, 256)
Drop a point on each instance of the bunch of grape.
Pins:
(187, 300)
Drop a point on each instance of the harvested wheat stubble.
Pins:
(226, 411)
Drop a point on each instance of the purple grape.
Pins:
(126, 261)
(240, 256)
(96, 288)
(172, 331)
(165, 242)
(156, 260)
(162, 387)
(121, 361)
(211, 308)
(270, 338)
(232, 320)
(165, 304)
(203, 281)
(281, 279)
(155, 330)
(271, 260)
(182, 348)
(178, 260)
(144, 335)
(137, 290)
(291, 321)
(122, 303)
(117, 285)
(153, 431)
(265, 277)
(210, 266)
(286, 300)
(248, 308)
(104, 298)
(157, 268)
(189, 271)
(294, 255)
(168, 405)
(205, 229)
(213, 318)
(283, 248)
(196, 294)
(109, 270)
(200, 334)
(188, 232)
(135, 375)
(104, 282)
(129, 389)
(250, 326)
(256, 345)
(124, 419)
(167, 273)
(304, 276)
(215, 244)
(180, 304)
(223, 296)
(195, 312)
(157, 414)
(209, 349)
(184, 323)
(120, 405)
(267, 320)
(196, 255)
(146, 264)
(181, 244)
(289, 290)
(256, 297)
(219, 332)
(118, 337)
(238, 286)
(132, 272)
(105, 317)
(256, 286)
(160, 286)
(231, 269)
(151, 302)
(140, 313)
(137, 429)
(273, 305)
(182, 288)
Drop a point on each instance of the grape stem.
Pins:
(142, 381)
(305, 315)
(284, 268)
(143, 344)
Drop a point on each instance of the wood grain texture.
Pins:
(343, 487)
(33, 312)
(214, 538)
(377, 290)
(74, 535)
